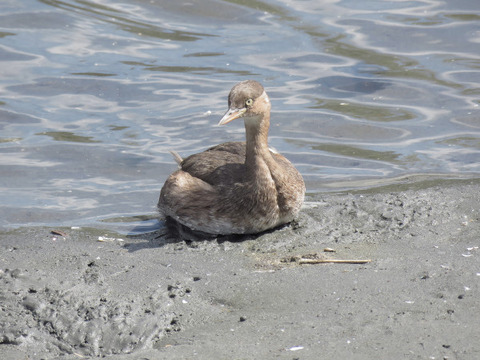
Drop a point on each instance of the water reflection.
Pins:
(365, 111)
(95, 94)
(123, 16)
(355, 152)
(68, 136)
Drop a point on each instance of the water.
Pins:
(94, 93)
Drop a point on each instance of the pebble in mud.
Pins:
(177, 290)
(16, 273)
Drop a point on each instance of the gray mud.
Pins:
(155, 297)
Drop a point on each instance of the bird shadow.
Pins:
(172, 232)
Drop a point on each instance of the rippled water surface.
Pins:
(94, 93)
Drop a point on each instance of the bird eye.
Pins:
(249, 102)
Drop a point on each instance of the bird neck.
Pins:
(257, 152)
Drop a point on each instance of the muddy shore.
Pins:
(92, 293)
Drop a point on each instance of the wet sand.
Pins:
(155, 297)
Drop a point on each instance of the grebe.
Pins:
(236, 187)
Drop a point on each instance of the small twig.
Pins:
(58, 232)
(338, 261)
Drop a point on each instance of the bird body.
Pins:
(236, 187)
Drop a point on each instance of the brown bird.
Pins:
(236, 187)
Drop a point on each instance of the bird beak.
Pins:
(232, 114)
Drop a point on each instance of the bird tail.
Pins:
(176, 157)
